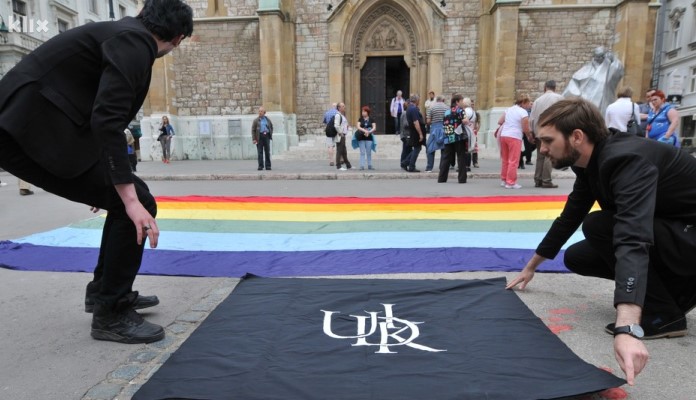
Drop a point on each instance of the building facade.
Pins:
(296, 57)
(676, 75)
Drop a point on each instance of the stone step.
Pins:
(314, 147)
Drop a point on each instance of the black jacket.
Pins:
(68, 102)
(638, 180)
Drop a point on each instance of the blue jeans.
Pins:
(414, 156)
(431, 160)
(365, 151)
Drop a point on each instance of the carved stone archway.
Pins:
(386, 28)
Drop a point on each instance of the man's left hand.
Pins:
(631, 354)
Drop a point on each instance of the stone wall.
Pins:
(312, 63)
(460, 43)
(235, 8)
(218, 70)
(555, 44)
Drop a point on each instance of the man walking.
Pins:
(643, 238)
(262, 134)
(87, 84)
(417, 132)
(542, 173)
(341, 125)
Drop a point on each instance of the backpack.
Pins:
(331, 128)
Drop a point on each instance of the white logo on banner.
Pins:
(391, 329)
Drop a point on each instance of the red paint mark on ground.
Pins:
(556, 319)
(559, 328)
(563, 311)
(613, 394)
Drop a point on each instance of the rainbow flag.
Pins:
(315, 236)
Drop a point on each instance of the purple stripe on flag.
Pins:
(30, 257)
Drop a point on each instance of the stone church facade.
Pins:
(296, 57)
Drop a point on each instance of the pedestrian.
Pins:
(434, 118)
(104, 69)
(663, 120)
(416, 126)
(396, 108)
(365, 137)
(342, 128)
(542, 171)
(642, 238)
(622, 110)
(165, 138)
(330, 141)
(262, 135)
(132, 157)
(456, 140)
(514, 125)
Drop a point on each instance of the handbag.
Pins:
(633, 127)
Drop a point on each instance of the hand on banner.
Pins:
(527, 274)
(631, 354)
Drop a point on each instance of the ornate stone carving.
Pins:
(385, 36)
(676, 15)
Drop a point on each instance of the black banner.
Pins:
(305, 339)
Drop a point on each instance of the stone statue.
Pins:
(597, 80)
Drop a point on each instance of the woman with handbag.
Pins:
(662, 120)
(165, 138)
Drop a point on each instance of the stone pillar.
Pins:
(635, 40)
(504, 52)
(434, 72)
(277, 41)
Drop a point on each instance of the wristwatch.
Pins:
(634, 330)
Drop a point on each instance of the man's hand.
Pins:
(522, 279)
(631, 354)
(145, 224)
(527, 274)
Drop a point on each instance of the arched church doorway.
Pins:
(380, 78)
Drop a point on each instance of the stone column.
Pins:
(276, 36)
(635, 34)
(504, 52)
(434, 72)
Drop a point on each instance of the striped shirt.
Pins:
(436, 112)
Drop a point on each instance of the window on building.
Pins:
(121, 11)
(92, 6)
(675, 34)
(692, 86)
(19, 9)
(675, 17)
(63, 25)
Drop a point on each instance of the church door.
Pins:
(380, 78)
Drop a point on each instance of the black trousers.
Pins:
(668, 293)
(263, 146)
(342, 153)
(529, 148)
(119, 254)
(447, 159)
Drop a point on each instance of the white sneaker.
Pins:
(344, 169)
(515, 186)
(3, 184)
(503, 184)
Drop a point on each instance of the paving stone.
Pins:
(127, 372)
(164, 343)
(104, 391)
(178, 328)
(191, 316)
(143, 356)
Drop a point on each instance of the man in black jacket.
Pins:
(643, 238)
(63, 109)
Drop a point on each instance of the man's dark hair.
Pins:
(167, 19)
(455, 99)
(550, 85)
(575, 113)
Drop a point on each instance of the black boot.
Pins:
(124, 325)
